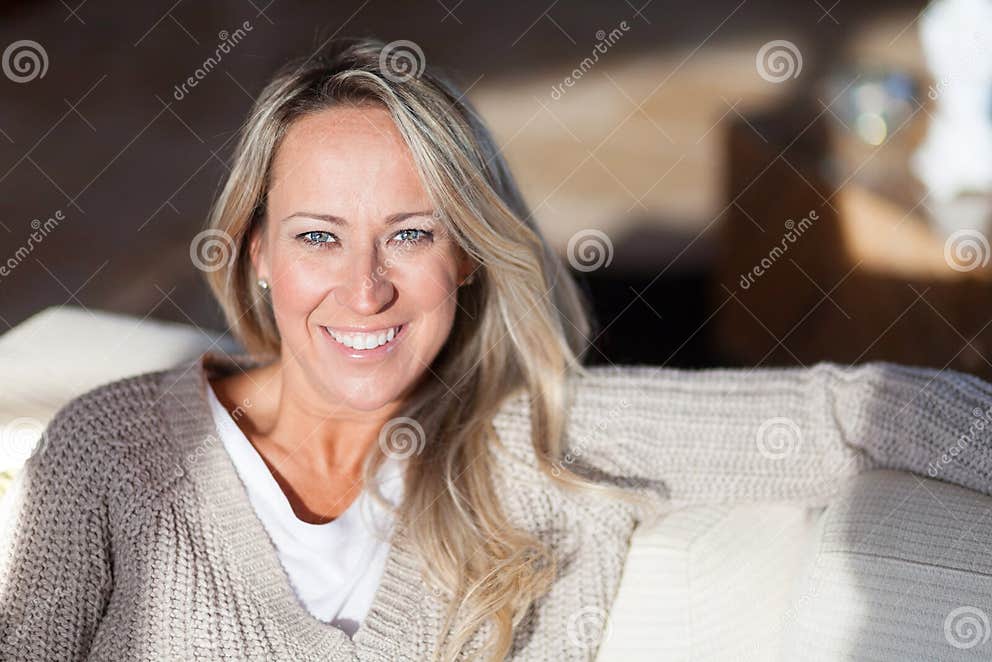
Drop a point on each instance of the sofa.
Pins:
(896, 567)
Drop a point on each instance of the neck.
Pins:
(287, 412)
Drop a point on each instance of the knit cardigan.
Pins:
(129, 535)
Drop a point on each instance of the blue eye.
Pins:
(413, 236)
(309, 239)
(408, 237)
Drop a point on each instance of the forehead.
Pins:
(344, 154)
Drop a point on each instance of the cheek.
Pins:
(430, 289)
(301, 283)
(430, 280)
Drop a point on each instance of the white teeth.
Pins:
(364, 340)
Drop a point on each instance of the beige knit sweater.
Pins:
(130, 535)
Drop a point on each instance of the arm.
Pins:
(728, 435)
(55, 571)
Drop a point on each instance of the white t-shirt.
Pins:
(335, 567)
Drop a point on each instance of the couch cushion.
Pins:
(63, 351)
(708, 583)
(902, 570)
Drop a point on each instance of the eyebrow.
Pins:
(392, 219)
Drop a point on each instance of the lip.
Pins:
(367, 354)
(363, 329)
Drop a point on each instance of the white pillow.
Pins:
(64, 351)
(708, 583)
(902, 570)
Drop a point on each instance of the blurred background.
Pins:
(734, 183)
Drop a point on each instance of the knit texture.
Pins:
(129, 535)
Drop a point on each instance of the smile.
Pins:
(366, 341)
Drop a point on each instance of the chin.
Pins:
(364, 397)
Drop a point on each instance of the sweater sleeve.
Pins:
(680, 437)
(55, 569)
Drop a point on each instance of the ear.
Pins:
(256, 253)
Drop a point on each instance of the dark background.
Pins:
(637, 148)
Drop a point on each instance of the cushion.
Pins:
(708, 583)
(901, 570)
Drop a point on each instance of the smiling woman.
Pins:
(414, 354)
(404, 279)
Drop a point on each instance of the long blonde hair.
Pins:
(521, 325)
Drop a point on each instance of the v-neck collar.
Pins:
(396, 610)
(252, 467)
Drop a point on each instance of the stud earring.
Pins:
(262, 283)
(469, 279)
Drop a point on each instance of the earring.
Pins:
(262, 283)
(469, 279)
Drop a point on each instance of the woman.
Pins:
(414, 355)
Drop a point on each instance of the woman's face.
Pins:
(350, 245)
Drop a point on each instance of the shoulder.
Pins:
(107, 434)
(110, 410)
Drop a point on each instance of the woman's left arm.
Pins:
(684, 436)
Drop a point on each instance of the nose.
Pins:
(365, 287)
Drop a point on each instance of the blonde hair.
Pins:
(521, 326)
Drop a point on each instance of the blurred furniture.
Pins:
(896, 568)
(867, 280)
